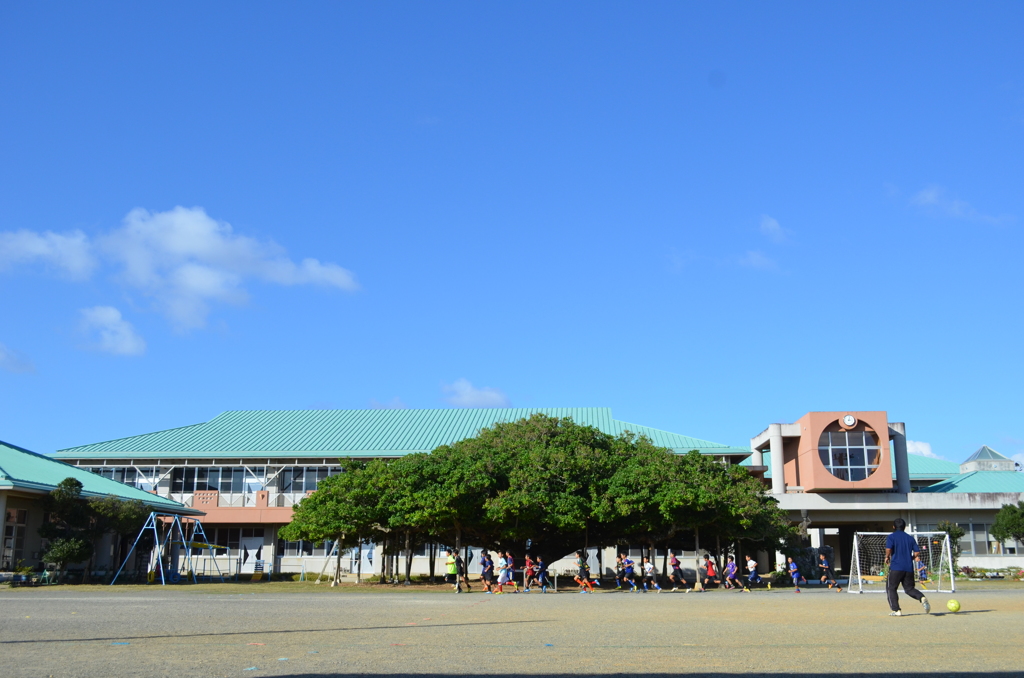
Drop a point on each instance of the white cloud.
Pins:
(183, 259)
(935, 199)
(186, 260)
(772, 229)
(922, 449)
(463, 394)
(757, 260)
(14, 361)
(393, 404)
(111, 333)
(69, 253)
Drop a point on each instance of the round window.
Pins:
(849, 455)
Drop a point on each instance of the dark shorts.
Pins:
(677, 573)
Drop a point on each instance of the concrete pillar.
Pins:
(757, 457)
(898, 432)
(775, 446)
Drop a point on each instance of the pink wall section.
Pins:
(803, 467)
(206, 500)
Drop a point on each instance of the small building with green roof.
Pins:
(26, 477)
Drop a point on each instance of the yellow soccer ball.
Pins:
(953, 606)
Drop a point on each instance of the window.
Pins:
(225, 479)
(849, 455)
(303, 548)
(14, 539)
(301, 479)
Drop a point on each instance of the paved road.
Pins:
(150, 631)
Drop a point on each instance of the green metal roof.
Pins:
(981, 481)
(986, 453)
(354, 433)
(22, 469)
(921, 468)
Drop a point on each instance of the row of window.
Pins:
(977, 541)
(231, 537)
(144, 478)
(225, 479)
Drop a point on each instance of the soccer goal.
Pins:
(868, 570)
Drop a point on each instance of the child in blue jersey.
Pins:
(487, 571)
(794, 572)
(541, 573)
(628, 571)
(731, 580)
(827, 575)
(922, 570)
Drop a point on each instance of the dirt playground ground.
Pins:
(301, 630)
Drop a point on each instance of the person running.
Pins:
(529, 570)
(650, 575)
(922, 571)
(487, 572)
(542, 574)
(794, 572)
(583, 575)
(753, 577)
(460, 567)
(628, 571)
(731, 580)
(620, 572)
(452, 571)
(709, 573)
(677, 573)
(900, 548)
(511, 566)
(504, 578)
(827, 575)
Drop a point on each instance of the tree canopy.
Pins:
(546, 481)
(1009, 522)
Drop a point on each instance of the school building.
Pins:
(246, 469)
(844, 472)
(834, 472)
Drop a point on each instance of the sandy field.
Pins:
(301, 630)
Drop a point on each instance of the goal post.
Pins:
(868, 570)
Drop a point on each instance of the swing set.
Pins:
(188, 535)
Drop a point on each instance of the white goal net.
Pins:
(934, 571)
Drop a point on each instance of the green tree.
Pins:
(1009, 523)
(69, 527)
(123, 517)
(67, 550)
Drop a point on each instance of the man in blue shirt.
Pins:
(900, 549)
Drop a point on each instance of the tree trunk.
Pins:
(664, 562)
(337, 560)
(359, 563)
(433, 560)
(382, 556)
(698, 586)
(718, 554)
(458, 539)
(408, 558)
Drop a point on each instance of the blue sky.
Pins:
(706, 217)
